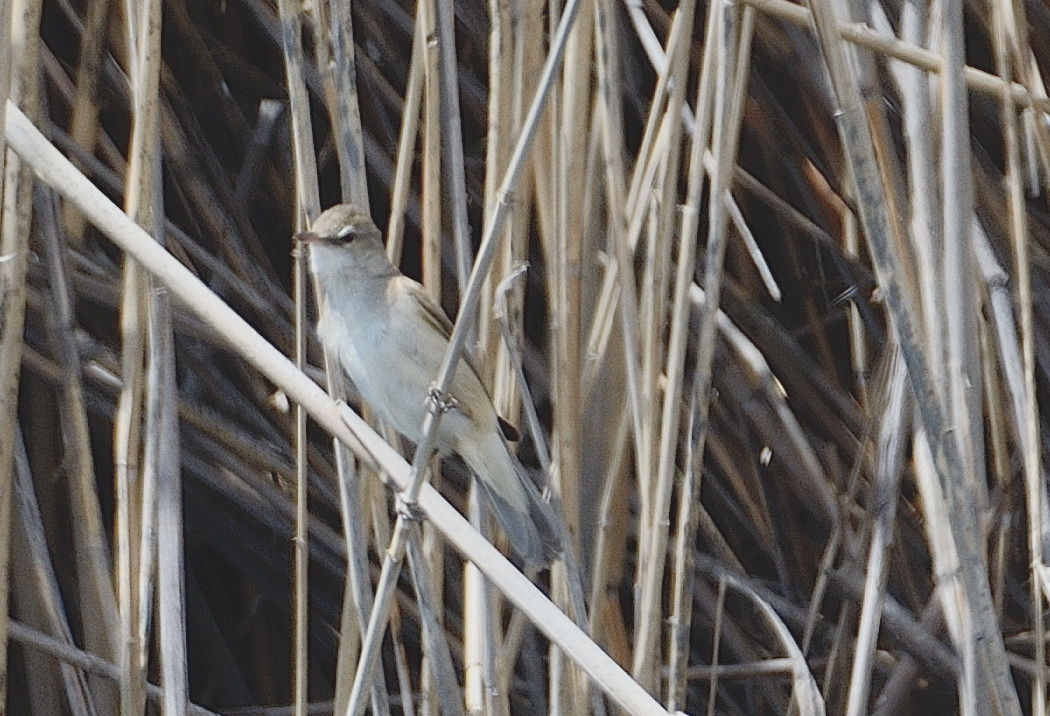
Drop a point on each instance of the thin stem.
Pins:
(455, 185)
(714, 46)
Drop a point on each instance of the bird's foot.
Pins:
(408, 510)
(442, 402)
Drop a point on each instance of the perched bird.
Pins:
(390, 337)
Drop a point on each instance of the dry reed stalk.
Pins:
(784, 495)
(454, 180)
(461, 328)
(22, 46)
(155, 501)
(83, 126)
(308, 207)
(406, 147)
(434, 70)
(79, 448)
(562, 248)
(430, 184)
(863, 36)
(438, 658)
(489, 651)
(338, 69)
(889, 466)
(127, 446)
(717, 25)
(171, 603)
(656, 490)
(6, 47)
(1011, 49)
(53, 169)
(719, 614)
(41, 601)
(996, 408)
(86, 661)
(984, 670)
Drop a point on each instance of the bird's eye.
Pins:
(345, 233)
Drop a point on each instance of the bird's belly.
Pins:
(392, 375)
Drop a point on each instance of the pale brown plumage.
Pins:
(390, 337)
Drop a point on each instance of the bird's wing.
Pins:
(431, 313)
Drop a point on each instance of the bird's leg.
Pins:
(408, 510)
(438, 402)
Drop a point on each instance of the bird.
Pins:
(390, 337)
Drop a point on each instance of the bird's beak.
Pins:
(306, 237)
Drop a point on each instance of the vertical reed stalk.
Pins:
(985, 668)
(308, 206)
(1008, 19)
(715, 45)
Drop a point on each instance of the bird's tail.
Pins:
(514, 499)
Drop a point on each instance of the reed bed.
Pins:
(765, 285)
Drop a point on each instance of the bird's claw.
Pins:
(410, 511)
(442, 401)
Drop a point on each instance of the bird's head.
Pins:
(340, 225)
